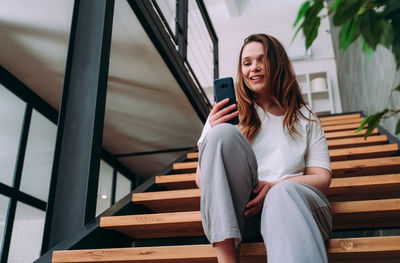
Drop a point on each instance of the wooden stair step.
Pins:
(169, 201)
(356, 142)
(351, 188)
(343, 121)
(355, 153)
(349, 214)
(177, 181)
(354, 250)
(352, 153)
(341, 189)
(342, 127)
(340, 117)
(178, 224)
(365, 187)
(374, 166)
(347, 134)
(366, 213)
(384, 165)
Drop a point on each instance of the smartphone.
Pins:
(223, 88)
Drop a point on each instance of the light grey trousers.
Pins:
(296, 218)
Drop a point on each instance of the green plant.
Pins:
(374, 22)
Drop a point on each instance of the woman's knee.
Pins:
(223, 132)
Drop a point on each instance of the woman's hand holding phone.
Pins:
(219, 115)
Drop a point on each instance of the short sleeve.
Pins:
(206, 129)
(317, 149)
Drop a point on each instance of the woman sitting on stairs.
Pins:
(269, 174)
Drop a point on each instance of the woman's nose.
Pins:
(255, 68)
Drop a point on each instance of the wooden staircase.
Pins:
(364, 194)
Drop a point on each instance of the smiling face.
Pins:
(253, 67)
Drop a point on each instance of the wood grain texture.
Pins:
(355, 153)
(179, 181)
(355, 250)
(365, 187)
(342, 127)
(341, 189)
(340, 117)
(156, 225)
(349, 214)
(170, 201)
(356, 142)
(347, 134)
(372, 166)
(343, 121)
(341, 149)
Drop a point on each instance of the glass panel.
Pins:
(11, 116)
(39, 155)
(123, 187)
(200, 47)
(168, 9)
(104, 190)
(26, 238)
(3, 214)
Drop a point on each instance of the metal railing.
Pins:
(191, 30)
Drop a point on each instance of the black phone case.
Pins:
(223, 88)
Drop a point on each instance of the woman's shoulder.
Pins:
(307, 113)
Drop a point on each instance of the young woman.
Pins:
(270, 173)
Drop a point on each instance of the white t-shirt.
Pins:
(280, 155)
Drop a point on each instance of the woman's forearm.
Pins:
(321, 182)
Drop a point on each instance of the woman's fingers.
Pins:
(220, 115)
(255, 206)
(252, 211)
(219, 105)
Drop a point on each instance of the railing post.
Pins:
(72, 197)
(182, 26)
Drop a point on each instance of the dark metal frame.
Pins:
(181, 27)
(153, 152)
(80, 126)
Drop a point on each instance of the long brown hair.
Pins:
(283, 88)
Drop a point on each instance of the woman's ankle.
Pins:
(226, 251)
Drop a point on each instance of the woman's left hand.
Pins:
(255, 206)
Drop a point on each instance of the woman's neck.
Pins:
(268, 105)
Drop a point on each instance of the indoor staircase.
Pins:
(364, 194)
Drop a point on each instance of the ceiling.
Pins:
(146, 109)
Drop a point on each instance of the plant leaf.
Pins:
(312, 22)
(346, 10)
(334, 6)
(297, 31)
(371, 27)
(397, 127)
(374, 121)
(312, 34)
(363, 123)
(388, 34)
(392, 8)
(368, 51)
(397, 88)
(349, 32)
(302, 11)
